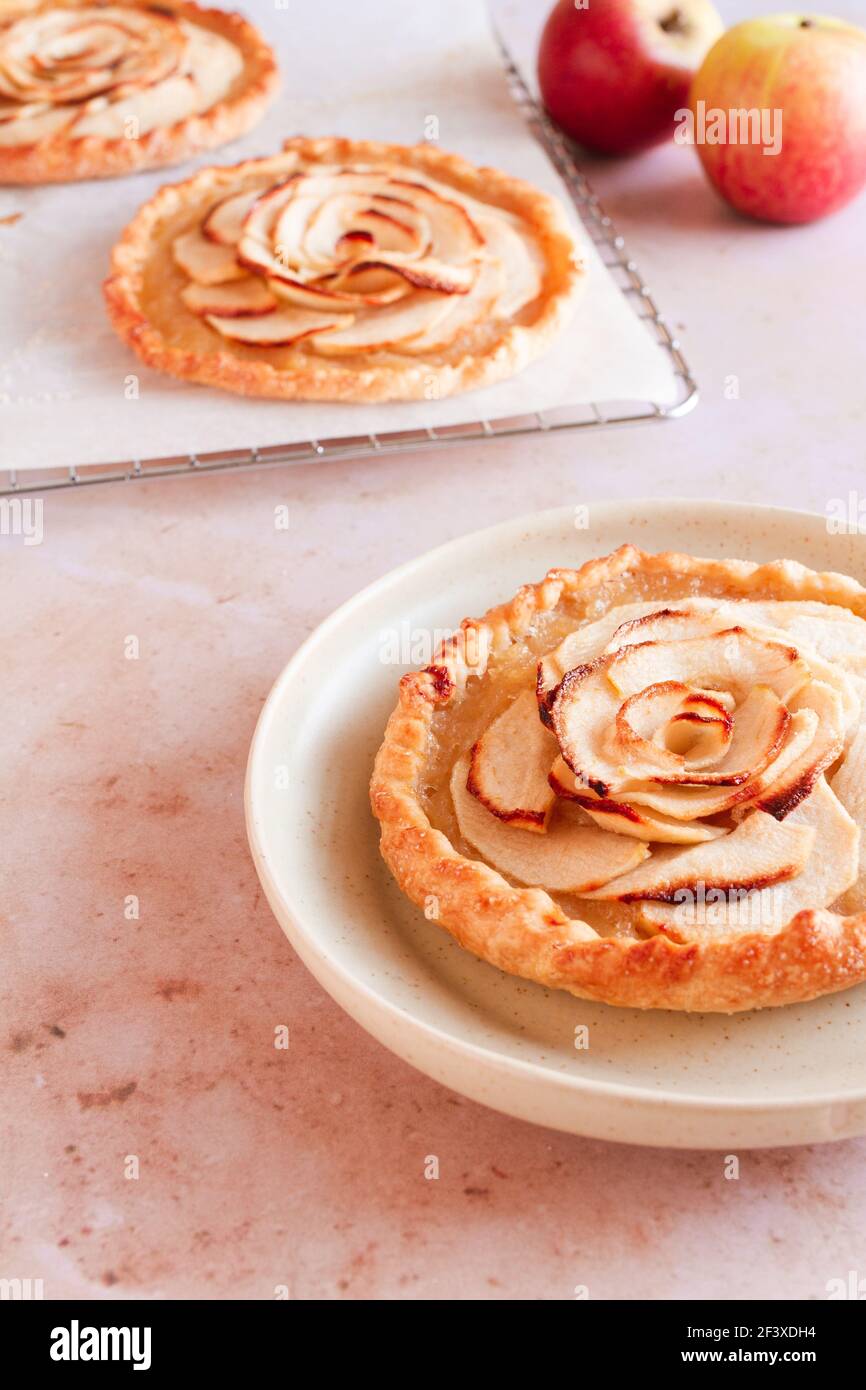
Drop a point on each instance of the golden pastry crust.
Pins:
(296, 374)
(59, 159)
(523, 930)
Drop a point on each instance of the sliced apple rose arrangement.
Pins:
(693, 770)
(349, 270)
(117, 72)
(693, 739)
(355, 260)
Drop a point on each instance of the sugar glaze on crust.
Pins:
(297, 374)
(60, 159)
(523, 930)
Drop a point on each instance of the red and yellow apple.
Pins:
(806, 76)
(613, 73)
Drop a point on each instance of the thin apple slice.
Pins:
(662, 625)
(392, 228)
(520, 261)
(760, 727)
(647, 724)
(464, 312)
(168, 101)
(205, 261)
(310, 296)
(569, 858)
(31, 129)
(427, 273)
(702, 729)
(387, 328)
(695, 803)
(849, 785)
(582, 646)
(454, 237)
(370, 284)
(828, 877)
(583, 712)
(392, 225)
(224, 223)
(257, 247)
(761, 851)
(796, 782)
(21, 111)
(627, 817)
(238, 299)
(215, 63)
(731, 659)
(836, 634)
(278, 328)
(509, 767)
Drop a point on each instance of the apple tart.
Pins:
(644, 781)
(92, 88)
(344, 270)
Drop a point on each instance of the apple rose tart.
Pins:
(644, 781)
(93, 89)
(344, 271)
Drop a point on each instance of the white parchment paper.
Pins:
(378, 69)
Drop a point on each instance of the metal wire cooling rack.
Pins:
(611, 249)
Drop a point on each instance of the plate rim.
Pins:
(305, 941)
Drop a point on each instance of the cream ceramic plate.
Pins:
(780, 1076)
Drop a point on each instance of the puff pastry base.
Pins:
(142, 290)
(523, 930)
(63, 160)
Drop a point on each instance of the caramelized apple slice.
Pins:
(695, 803)
(849, 785)
(309, 296)
(731, 659)
(520, 262)
(509, 767)
(206, 262)
(795, 783)
(238, 299)
(761, 851)
(760, 726)
(626, 818)
(569, 858)
(831, 869)
(162, 105)
(224, 223)
(582, 646)
(278, 328)
(464, 312)
(387, 327)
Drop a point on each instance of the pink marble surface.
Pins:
(154, 1037)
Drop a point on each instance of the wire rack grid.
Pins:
(613, 253)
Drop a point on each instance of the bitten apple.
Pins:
(613, 73)
(806, 76)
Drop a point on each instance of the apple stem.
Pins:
(672, 22)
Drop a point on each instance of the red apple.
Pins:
(614, 72)
(806, 76)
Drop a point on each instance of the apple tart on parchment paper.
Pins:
(644, 781)
(345, 270)
(93, 88)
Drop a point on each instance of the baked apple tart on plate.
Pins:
(345, 270)
(92, 88)
(644, 781)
